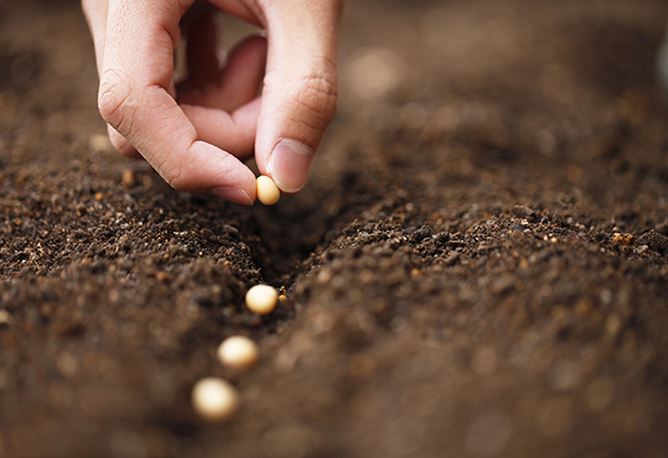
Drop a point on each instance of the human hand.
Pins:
(195, 136)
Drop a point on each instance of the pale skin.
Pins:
(196, 135)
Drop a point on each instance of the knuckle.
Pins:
(316, 94)
(116, 102)
(174, 176)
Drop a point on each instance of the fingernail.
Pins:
(233, 194)
(289, 164)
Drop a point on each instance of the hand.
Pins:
(195, 136)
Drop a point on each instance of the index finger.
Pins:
(134, 98)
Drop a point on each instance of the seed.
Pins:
(267, 191)
(215, 399)
(238, 352)
(261, 299)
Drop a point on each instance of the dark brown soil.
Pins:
(478, 266)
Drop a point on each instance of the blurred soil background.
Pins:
(478, 266)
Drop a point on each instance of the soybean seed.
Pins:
(238, 352)
(261, 299)
(267, 191)
(215, 399)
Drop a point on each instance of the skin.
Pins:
(197, 134)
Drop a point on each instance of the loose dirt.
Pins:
(478, 266)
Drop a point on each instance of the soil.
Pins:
(478, 266)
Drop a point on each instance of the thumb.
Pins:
(299, 95)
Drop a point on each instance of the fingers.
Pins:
(233, 132)
(95, 12)
(238, 83)
(121, 145)
(96, 17)
(226, 114)
(241, 78)
(134, 99)
(299, 96)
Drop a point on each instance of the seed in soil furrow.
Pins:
(215, 399)
(261, 299)
(238, 352)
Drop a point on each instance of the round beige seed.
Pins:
(238, 352)
(261, 299)
(267, 191)
(215, 399)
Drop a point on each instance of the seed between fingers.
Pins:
(267, 191)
